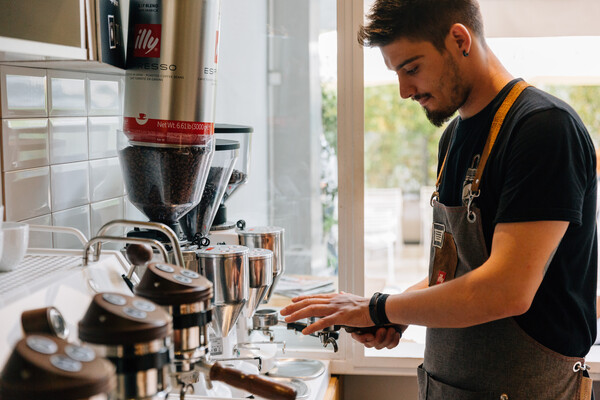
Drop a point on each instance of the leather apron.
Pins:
(495, 360)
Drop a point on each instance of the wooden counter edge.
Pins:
(333, 391)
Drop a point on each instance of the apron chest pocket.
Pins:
(432, 389)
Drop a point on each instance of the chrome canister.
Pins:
(186, 296)
(135, 335)
(227, 268)
(267, 237)
(42, 366)
(172, 55)
(260, 272)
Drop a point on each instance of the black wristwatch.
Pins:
(373, 308)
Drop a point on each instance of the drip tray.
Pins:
(301, 388)
(297, 368)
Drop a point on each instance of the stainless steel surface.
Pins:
(148, 225)
(60, 229)
(265, 318)
(116, 239)
(297, 368)
(260, 272)
(137, 349)
(190, 344)
(151, 383)
(171, 74)
(267, 237)
(302, 390)
(227, 268)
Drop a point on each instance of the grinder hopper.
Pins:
(164, 181)
(198, 221)
(239, 176)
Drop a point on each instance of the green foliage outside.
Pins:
(401, 144)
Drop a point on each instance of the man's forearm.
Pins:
(503, 286)
(454, 304)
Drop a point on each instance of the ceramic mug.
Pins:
(15, 241)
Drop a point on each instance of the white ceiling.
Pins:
(541, 18)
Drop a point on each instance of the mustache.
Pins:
(418, 97)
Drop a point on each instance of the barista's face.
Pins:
(430, 77)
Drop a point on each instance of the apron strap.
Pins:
(508, 102)
(499, 117)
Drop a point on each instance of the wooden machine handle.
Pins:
(255, 384)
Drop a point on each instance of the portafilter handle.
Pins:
(255, 384)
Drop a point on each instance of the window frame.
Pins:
(350, 114)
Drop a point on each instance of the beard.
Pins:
(459, 93)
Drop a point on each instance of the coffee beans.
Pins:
(237, 178)
(164, 182)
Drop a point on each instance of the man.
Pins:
(510, 298)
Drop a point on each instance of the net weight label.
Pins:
(216, 345)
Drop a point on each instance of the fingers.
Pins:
(383, 338)
(367, 339)
(319, 325)
(303, 304)
(314, 296)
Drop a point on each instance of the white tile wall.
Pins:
(59, 148)
(68, 140)
(67, 95)
(105, 211)
(27, 193)
(40, 240)
(102, 134)
(23, 92)
(78, 217)
(104, 95)
(70, 185)
(24, 143)
(105, 179)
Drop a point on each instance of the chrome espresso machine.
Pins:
(191, 281)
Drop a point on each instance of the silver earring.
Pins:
(465, 53)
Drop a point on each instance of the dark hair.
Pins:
(429, 20)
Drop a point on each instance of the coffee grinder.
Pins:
(222, 231)
(197, 223)
(167, 142)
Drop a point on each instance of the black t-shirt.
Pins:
(542, 167)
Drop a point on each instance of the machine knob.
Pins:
(139, 254)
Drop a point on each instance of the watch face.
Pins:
(57, 323)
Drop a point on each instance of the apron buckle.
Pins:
(580, 366)
(435, 196)
(471, 216)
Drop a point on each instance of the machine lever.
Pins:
(256, 384)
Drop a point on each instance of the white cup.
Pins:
(15, 241)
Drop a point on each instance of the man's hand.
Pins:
(334, 309)
(383, 338)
